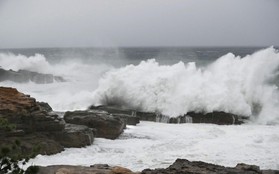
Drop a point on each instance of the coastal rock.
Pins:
(106, 125)
(75, 136)
(130, 120)
(35, 143)
(181, 166)
(24, 120)
(221, 118)
(149, 116)
(25, 113)
(24, 76)
(45, 106)
(94, 169)
(215, 117)
(129, 116)
(113, 109)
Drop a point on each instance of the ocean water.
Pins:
(158, 145)
(171, 81)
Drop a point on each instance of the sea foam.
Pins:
(242, 86)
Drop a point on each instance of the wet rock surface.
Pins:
(24, 76)
(221, 118)
(45, 106)
(113, 109)
(216, 117)
(105, 124)
(183, 166)
(94, 169)
(75, 136)
(129, 119)
(35, 127)
(180, 166)
(129, 116)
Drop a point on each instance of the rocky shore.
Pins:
(40, 131)
(180, 166)
(216, 117)
(36, 127)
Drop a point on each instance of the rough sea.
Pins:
(172, 81)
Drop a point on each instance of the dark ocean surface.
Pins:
(120, 56)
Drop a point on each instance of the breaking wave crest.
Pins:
(75, 93)
(35, 63)
(243, 86)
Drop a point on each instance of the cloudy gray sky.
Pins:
(77, 23)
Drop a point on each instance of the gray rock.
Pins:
(130, 120)
(270, 171)
(220, 118)
(216, 117)
(75, 136)
(24, 76)
(129, 116)
(45, 106)
(181, 166)
(106, 125)
(148, 116)
(113, 110)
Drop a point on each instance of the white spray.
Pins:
(231, 84)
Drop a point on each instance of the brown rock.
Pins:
(120, 170)
(180, 166)
(23, 111)
(35, 127)
(95, 169)
(63, 171)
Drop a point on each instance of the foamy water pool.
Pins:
(157, 145)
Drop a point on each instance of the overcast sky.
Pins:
(116, 23)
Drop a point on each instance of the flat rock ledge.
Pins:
(133, 117)
(180, 166)
(104, 124)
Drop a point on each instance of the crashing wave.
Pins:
(242, 86)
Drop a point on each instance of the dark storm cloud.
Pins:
(70, 23)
